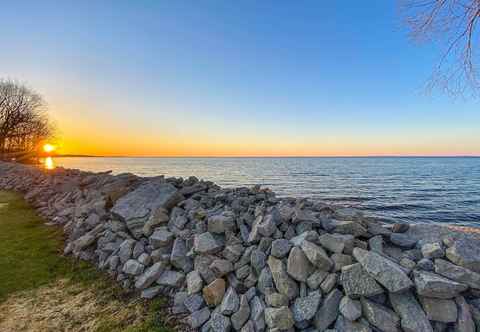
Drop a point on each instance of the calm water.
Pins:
(410, 189)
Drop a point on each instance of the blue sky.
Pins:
(234, 78)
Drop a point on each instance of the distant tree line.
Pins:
(24, 124)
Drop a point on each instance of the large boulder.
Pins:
(357, 282)
(432, 285)
(413, 318)
(381, 317)
(285, 285)
(465, 253)
(328, 311)
(457, 273)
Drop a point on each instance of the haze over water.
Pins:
(411, 189)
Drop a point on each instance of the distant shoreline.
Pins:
(259, 157)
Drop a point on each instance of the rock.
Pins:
(400, 228)
(357, 282)
(328, 311)
(198, 318)
(179, 258)
(381, 317)
(213, 293)
(248, 327)
(298, 266)
(230, 302)
(465, 321)
(317, 256)
(178, 303)
(205, 243)
(315, 280)
(350, 309)
(340, 260)
(440, 310)
(386, 272)
(150, 293)
(126, 250)
(413, 319)
(280, 248)
(151, 274)
(171, 278)
(194, 282)
(432, 285)
(133, 267)
(304, 308)
(265, 281)
(276, 300)
(354, 228)
(376, 244)
(221, 267)
(345, 325)
(145, 259)
(220, 224)
(258, 260)
(403, 240)
(257, 309)
(331, 243)
(219, 323)
(159, 217)
(425, 264)
(161, 238)
(432, 250)
(240, 317)
(283, 282)
(135, 207)
(457, 273)
(279, 318)
(194, 302)
(465, 253)
(329, 282)
(233, 252)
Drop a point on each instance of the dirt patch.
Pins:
(65, 307)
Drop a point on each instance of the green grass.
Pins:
(30, 257)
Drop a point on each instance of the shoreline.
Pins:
(218, 251)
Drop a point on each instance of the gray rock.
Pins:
(331, 243)
(304, 308)
(350, 309)
(145, 259)
(194, 282)
(340, 260)
(171, 278)
(465, 321)
(433, 285)
(413, 318)
(465, 253)
(376, 244)
(279, 318)
(403, 240)
(276, 300)
(298, 266)
(240, 317)
(440, 310)
(150, 293)
(205, 243)
(248, 327)
(198, 318)
(178, 300)
(280, 248)
(457, 273)
(328, 311)
(257, 309)
(161, 238)
(315, 279)
(265, 281)
(133, 267)
(317, 256)
(357, 282)
(329, 282)
(220, 224)
(221, 267)
(194, 302)
(354, 228)
(233, 252)
(158, 217)
(258, 260)
(219, 323)
(126, 250)
(135, 207)
(425, 264)
(386, 272)
(230, 302)
(345, 325)
(283, 282)
(179, 257)
(381, 317)
(151, 274)
(432, 250)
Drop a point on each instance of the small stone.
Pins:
(329, 282)
(205, 243)
(351, 227)
(198, 318)
(194, 282)
(304, 308)
(150, 293)
(276, 300)
(432, 250)
(379, 316)
(432, 285)
(298, 266)
(213, 293)
(440, 310)
(257, 309)
(151, 274)
(258, 260)
(403, 240)
(279, 318)
(133, 267)
(425, 264)
(219, 323)
(413, 318)
(161, 238)
(376, 244)
(233, 252)
(457, 273)
(465, 321)
(340, 260)
(179, 258)
(331, 243)
(194, 302)
(248, 327)
(400, 228)
(230, 302)
(221, 267)
(345, 325)
(280, 248)
(220, 224)
(317, 256)
(240, 317)
(328, 311)
(350, 309)
(145, 259)
(314, 280)
(171, 278)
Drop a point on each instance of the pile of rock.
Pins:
(242, 259)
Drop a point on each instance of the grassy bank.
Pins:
(57, 293)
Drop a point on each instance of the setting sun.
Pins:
(48, 148)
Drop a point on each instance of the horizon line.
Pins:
(267, 156)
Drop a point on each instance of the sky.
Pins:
(234, 78)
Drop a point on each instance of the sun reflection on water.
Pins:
(48, 163)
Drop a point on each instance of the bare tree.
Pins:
(23, 120)
(452, 25)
